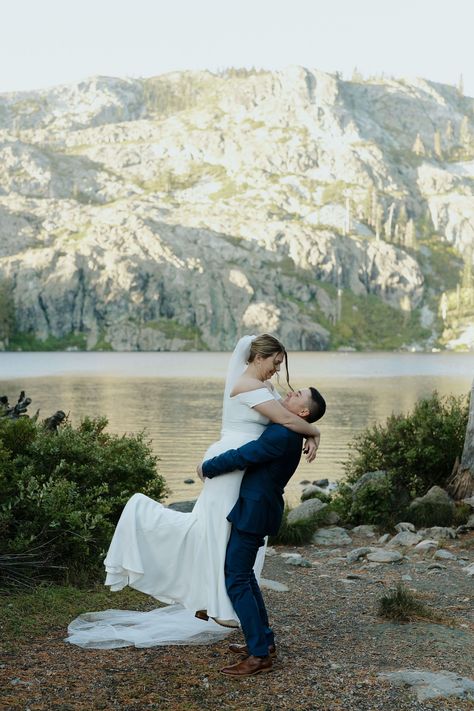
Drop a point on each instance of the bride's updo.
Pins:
(265, 346)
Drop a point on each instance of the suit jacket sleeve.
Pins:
(270, 445)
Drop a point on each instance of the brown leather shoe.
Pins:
(249, 667)
(202, 615)
(243, 649)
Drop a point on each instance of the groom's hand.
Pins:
(199, 472)
(310, 449)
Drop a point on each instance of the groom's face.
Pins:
(298, 402)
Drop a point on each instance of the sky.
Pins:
(49, 42)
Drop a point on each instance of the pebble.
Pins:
(189, 481)
(407, 578)
(269, 551)
(436, 566)
(385, 538)
(469, 570)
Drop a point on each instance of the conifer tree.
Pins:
(437, 145)
(418, 146)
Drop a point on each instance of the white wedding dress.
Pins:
(178, 558)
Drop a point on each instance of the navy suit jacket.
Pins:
(270, 461)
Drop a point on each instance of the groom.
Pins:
(269, 461)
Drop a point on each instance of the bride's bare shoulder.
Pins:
(245, 384)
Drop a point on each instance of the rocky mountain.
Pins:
(180, 211)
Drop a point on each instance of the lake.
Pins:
(177, 397)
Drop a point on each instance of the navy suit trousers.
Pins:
(244, 592)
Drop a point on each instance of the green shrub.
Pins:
(461, 514)
(430, 513)
(418, 449)
(298, 533)
(62, 493)
(375, 504)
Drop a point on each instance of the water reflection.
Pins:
(182, 415)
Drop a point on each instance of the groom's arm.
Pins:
(270, 445)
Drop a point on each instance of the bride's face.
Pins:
(269, 366)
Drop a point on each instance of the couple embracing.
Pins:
(206, 564)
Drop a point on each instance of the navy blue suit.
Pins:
(270, 462)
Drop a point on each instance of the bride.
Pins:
(178, 558)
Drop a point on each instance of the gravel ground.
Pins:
(331, 646)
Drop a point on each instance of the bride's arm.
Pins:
(279, 414)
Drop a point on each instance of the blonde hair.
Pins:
(265, 346)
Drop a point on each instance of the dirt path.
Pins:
(331, 647)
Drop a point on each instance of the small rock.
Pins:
(189, 481)
(444, 555)
(385, 538)
(182, 506)
(269, 551)
(469, 501)
(291, 555)
(355, 576)
(310, 492)
(405, 538)
(470, 521)
(273, 585)
(407, 578)
(427, 545)
(436, 566)
(305, 481)
(469, 570)
(321, 482)
(333, 536)
(385, 556)
(367, 531)
(353, 556)
(405, 526)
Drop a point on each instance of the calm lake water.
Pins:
(177, 397)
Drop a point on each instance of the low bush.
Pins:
(298, 533)
(430, 513)
(62, 492)
(401, 605)
(418, 449)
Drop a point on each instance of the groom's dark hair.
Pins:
(317, 406)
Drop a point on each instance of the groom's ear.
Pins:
(304, 412)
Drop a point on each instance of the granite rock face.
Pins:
(179, 212)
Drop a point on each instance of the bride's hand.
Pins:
(199, 472)
(310, 448)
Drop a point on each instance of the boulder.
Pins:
(439, 533)
(369, 477)
(444, 555)
(426, 545)
(321, 482)
(306, 511)
(385, 538)
(435, 508)
(353, 556)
